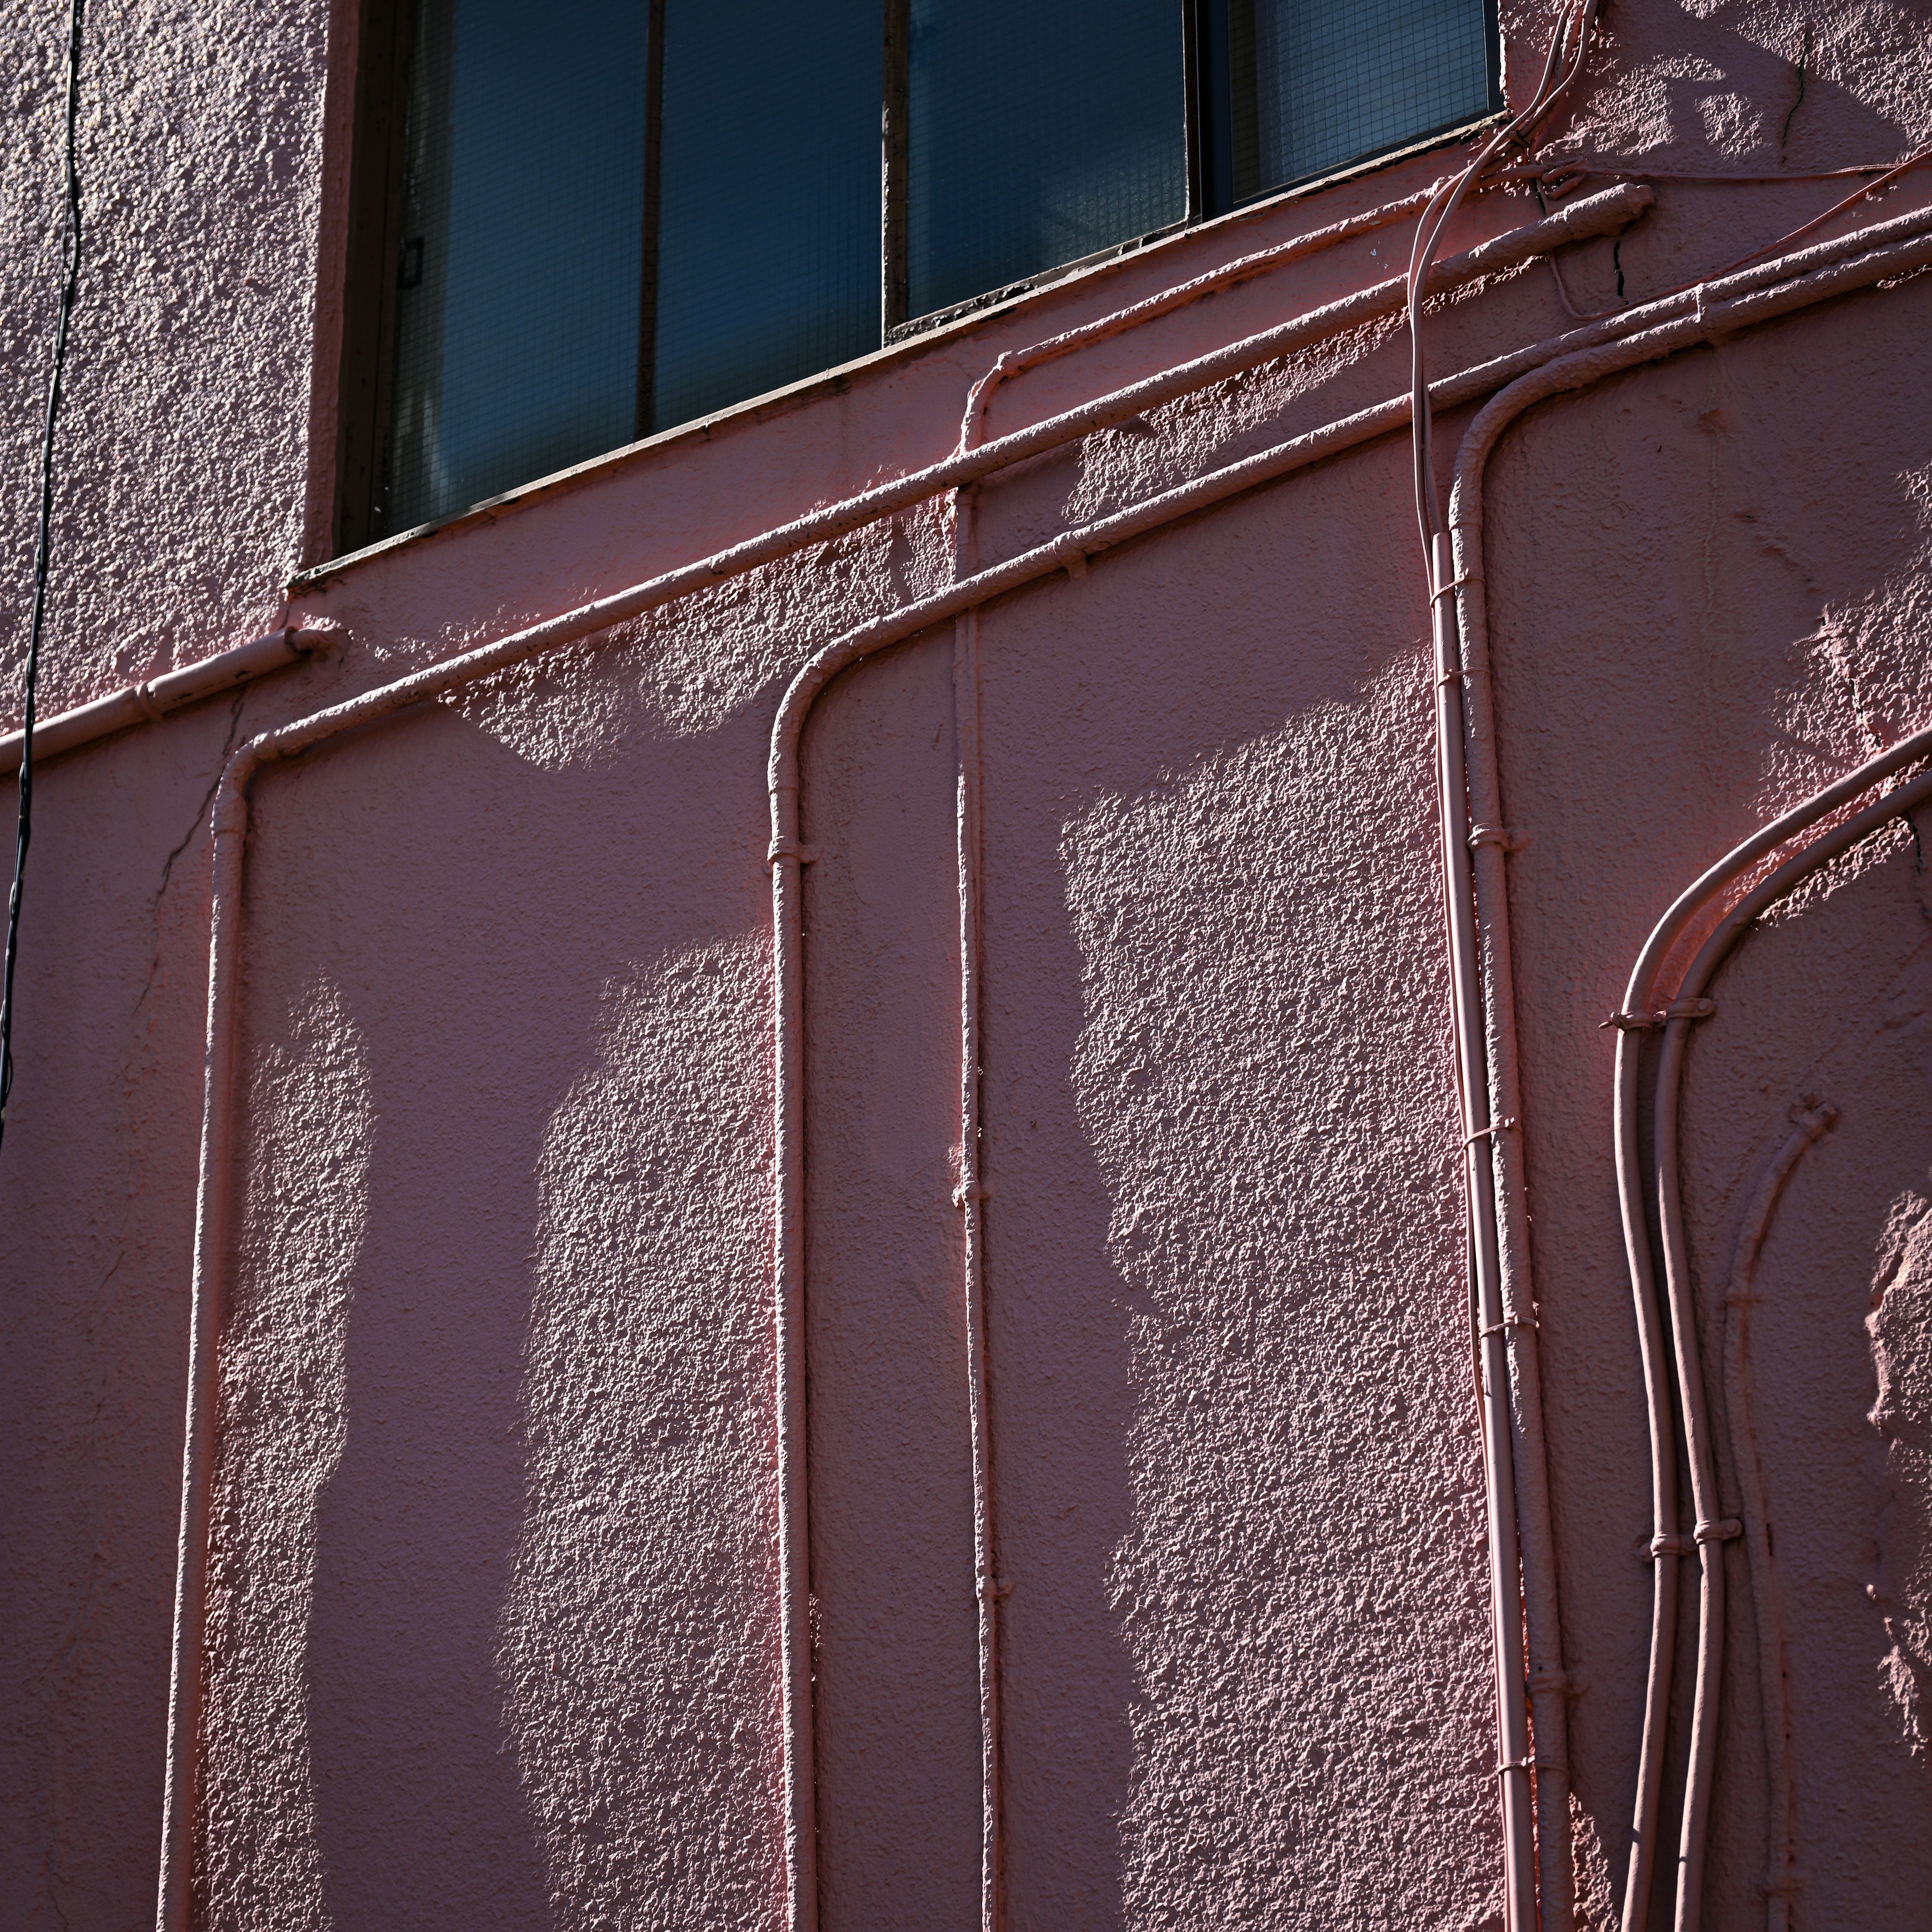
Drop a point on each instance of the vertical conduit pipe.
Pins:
(1480, 1130)
(1710, 1532)
(1549, 1682)
(1774, 1666)
(989, 1586)
(1535, 1818)
(1709, 1529)
(1836, 268)
(787, 860)
(175, 1904)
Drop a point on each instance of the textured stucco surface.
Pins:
(493, 1638)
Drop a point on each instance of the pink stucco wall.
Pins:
(493, 1637)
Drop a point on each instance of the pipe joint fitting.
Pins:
(791, 848)
(1556, 1683)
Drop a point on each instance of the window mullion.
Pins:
(894, 161)
(647, 290)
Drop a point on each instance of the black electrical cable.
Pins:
(70, 284)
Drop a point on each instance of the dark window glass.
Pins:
(517, 294)
(617, 215)
(1038, 133)
(554, 238)
(768, 268)
(1311, 86)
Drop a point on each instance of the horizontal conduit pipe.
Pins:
(1593, 215)
(230, 825)
(1835, 268)
(1263, 261)
(144, 703)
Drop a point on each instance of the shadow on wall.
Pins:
(491, 1621)
(1234, 1477)
(1900, 1328)
(1781, 88)
(1830, 1002)
(1239, 1492)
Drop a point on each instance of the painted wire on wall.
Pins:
(69, 283)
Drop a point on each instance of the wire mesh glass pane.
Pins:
(769, 224)
(1320, 83)
(1038, 134)
(517, 302)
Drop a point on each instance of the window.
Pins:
(576, 225)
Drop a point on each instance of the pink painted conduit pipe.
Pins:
(1263, 261)
(1640, 1013)
(1521, 1557)
(1774, 1672)
(1710, 1530)
(1763, 294)
(990, 1586)
(971, 1194)
(148, 702)
(229, 825)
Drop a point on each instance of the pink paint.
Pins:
(492, 1633)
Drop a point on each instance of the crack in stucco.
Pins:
(181, 845)
(208, 798)
(1802, 64)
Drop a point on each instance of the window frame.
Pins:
(373, 267)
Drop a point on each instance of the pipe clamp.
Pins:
(1507, 836)
(790, 848)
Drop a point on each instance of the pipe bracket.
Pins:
(1721, 1531)
(1507, 836)
(1678, 1010)
(1563, 1683)
(791, 848)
